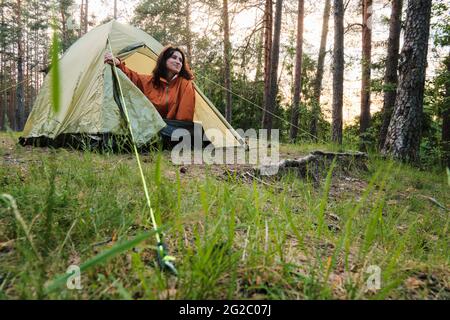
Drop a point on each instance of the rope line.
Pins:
(15, 85)
(256, 105)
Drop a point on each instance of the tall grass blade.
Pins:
(55, 73)
(18, 216)
(100, 258)
(448, 176)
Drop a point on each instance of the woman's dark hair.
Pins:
(161, 69)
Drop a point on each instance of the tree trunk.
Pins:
(27, 71)
(12, 96)
(390, 75)
(3, 76)
(446, 117)
(338, 72)
(268, 24)
(188, 30)
(20, 111)
(298, 73)
(259, 56)
(320, 67)
(364, 120)
(86, 19)
(274, 57)
(80, 31)
(115, 9)
(227, 62)
(63, 27)
(403, 136)
(36, 61)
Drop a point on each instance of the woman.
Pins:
(169, 88)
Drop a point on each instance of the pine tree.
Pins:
(298, 72)
(338, 71)
(268, 35)
(226, 60)
(404, 132)
(364, 119)
(390, 75)
(320, 69)
(274, 57)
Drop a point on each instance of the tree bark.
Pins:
(10, 109)
(20, 111)
(86, 19)
(188, 30)
(80, 31)
(268, 25)
(390, 75)
(3, 100)
(316, 164)
(320, 68)
(298, 73)
(12, 96)
(446, 117)
(227, 62)
(338, 72)
(27, 70)
(259, 56)
(274, 57)
(403, 136)
(364, 120)
(62, 11)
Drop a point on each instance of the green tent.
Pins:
(89, 97)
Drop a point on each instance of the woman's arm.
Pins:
(136, 78)
(186, 106)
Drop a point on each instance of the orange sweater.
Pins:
(173, 100)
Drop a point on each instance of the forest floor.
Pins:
(379, 233)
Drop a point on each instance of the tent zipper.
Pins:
(167, 99)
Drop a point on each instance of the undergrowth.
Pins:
(287, 238)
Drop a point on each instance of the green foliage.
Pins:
(353, 137)
(101, 258)
(378, 86)
(440, 26)
(67, 35)
(164, 20)
(289, 238)
(55, 85)
(435, 101)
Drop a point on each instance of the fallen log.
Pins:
(315, 163)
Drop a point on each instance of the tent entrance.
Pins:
(138, 57)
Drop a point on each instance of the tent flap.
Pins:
(144, 118)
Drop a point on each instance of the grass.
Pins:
(233, 239)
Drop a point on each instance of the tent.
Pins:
(89, 94)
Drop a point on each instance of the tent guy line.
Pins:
(254, 104)
(13, 86)
(165, 261)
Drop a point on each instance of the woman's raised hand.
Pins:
(109, 59)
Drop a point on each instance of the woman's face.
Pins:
(175, 62)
